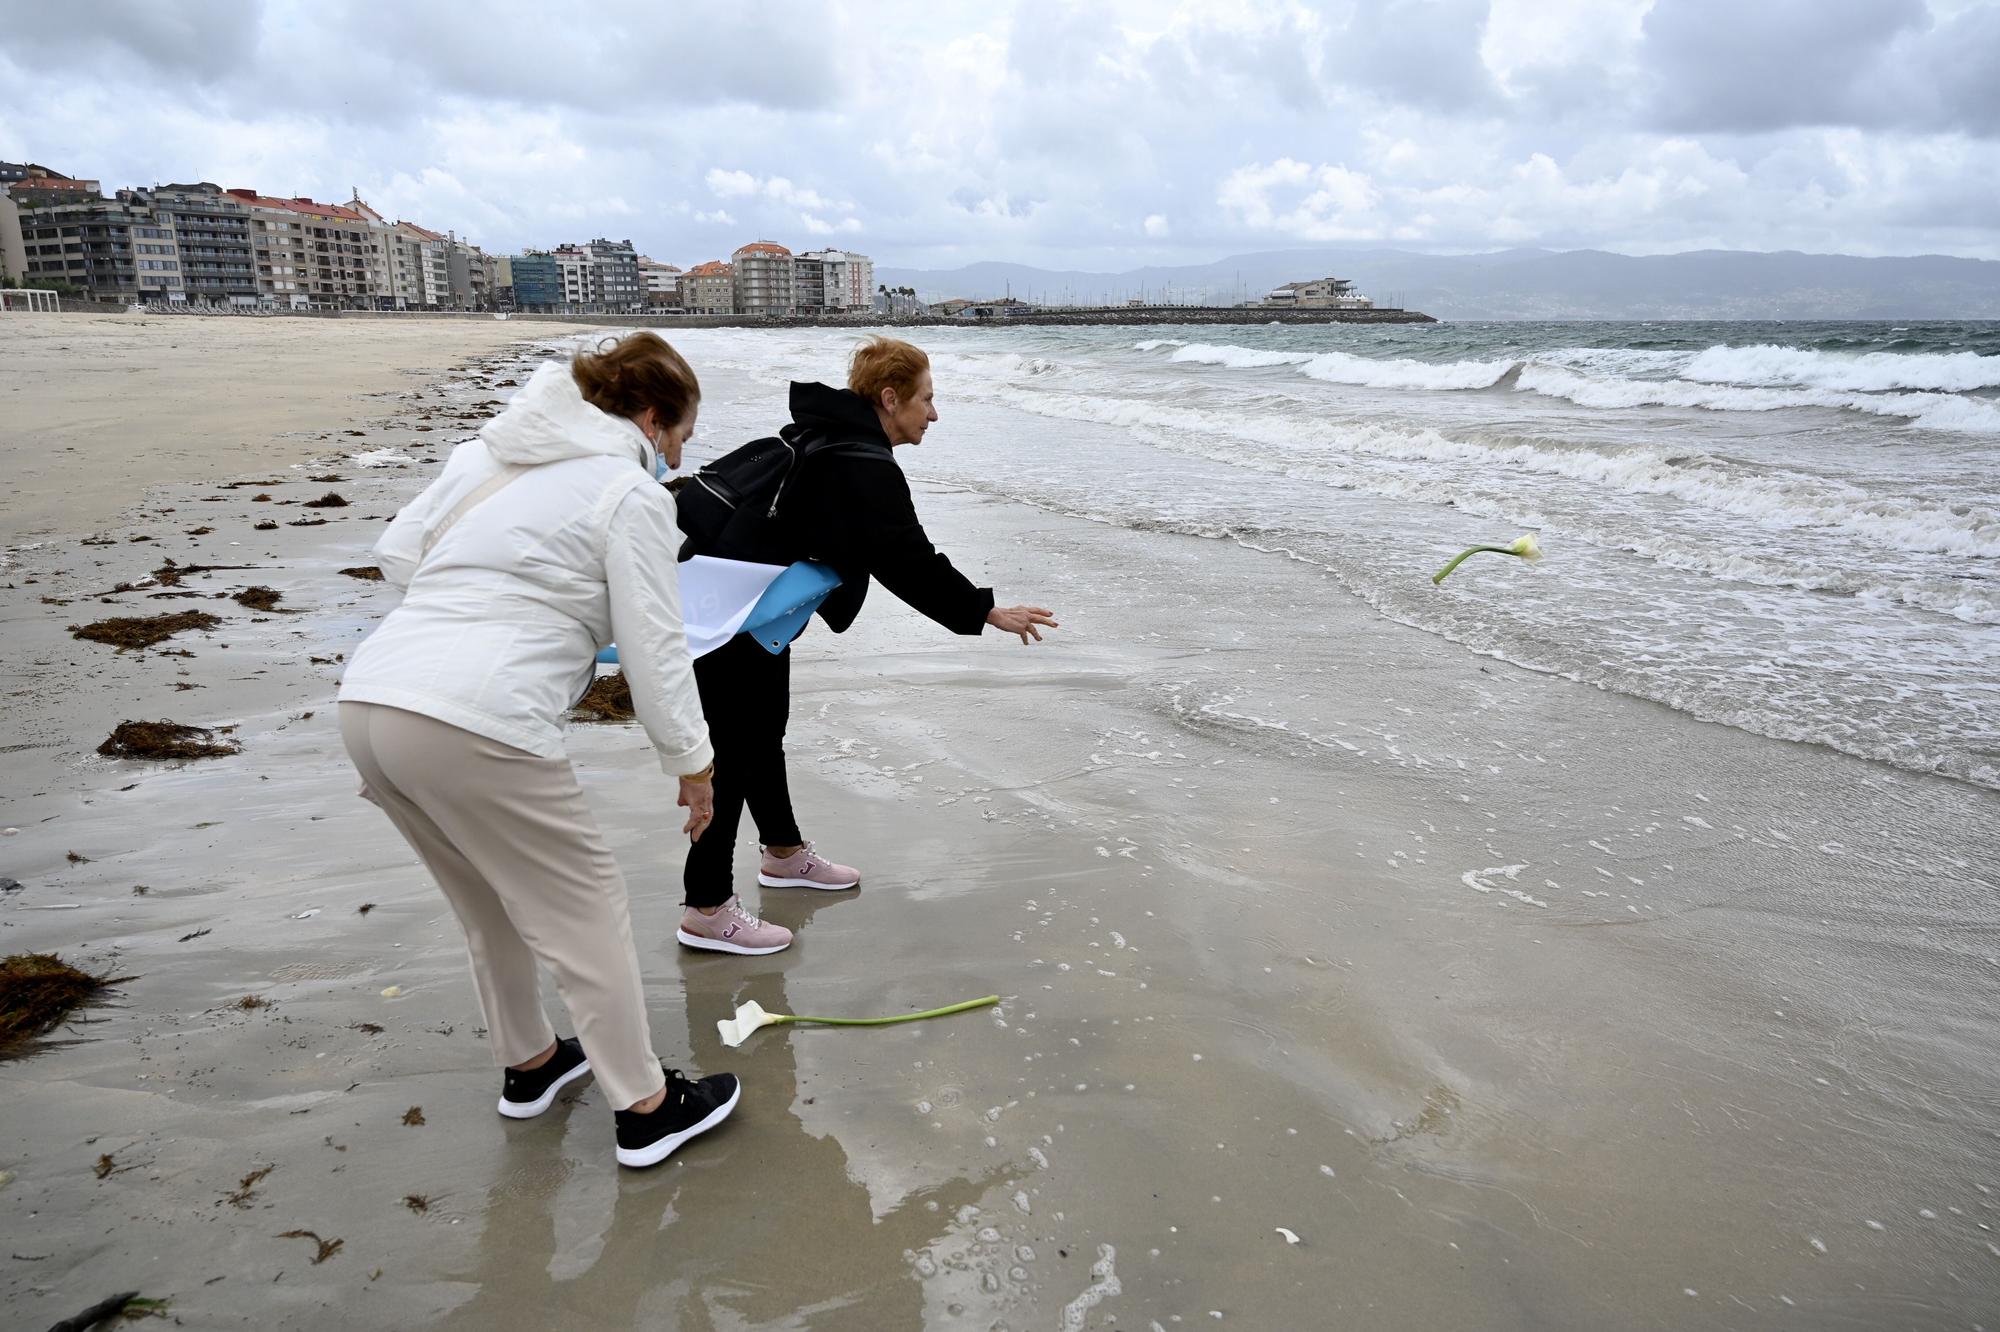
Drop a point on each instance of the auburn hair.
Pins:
(625, 376)
(881, 363)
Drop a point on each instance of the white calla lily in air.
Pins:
(1525, 547)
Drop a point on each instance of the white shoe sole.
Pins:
(770, 882)
(529, 1109)
(724, 946)
(640, 1157)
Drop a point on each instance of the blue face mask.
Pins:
(659, 466)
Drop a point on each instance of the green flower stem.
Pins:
(886, 1021)
(1461, 557)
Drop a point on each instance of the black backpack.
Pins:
(729, 508)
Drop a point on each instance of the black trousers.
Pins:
(746, 694)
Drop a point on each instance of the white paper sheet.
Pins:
(717, 596)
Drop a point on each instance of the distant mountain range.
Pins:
(1529, 284)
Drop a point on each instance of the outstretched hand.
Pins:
(1021, 620)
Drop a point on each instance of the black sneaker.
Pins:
(525, 1095)
(691, 1109)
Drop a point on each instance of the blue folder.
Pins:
(781, 613)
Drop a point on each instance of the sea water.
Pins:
(1790, 528)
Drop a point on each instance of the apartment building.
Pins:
(420, 267)
(171, 242)
(580, 286)
(617, 278)
(211, 233)
(87, 243)
(708, 289)
(661, 283)
(833, 281)
(471, 274)
(808, 284)
(537, 281)
(199, 242)
(764, 281)
(313, 254)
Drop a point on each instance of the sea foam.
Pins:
(1870, 372)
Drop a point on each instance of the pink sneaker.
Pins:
(732, 930)
(804, 868)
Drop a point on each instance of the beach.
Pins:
(1358, 969)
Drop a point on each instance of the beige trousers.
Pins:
(507, 836)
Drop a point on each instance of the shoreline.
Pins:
(1525, 1005)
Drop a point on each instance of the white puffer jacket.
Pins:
(500, 625)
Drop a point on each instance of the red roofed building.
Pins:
(422, 268)
(314, 254)
(41, 191)
(708, 289)
(763, 279)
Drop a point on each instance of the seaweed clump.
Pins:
(367, 573)
(126, 632)
(333, 499)
(165, 740)
(609, 699)
(170, 573)
(259, 598)
(37, 992)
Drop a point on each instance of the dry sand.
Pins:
(1522, 1005)
(145, 399)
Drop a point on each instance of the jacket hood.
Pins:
(839, 414)
(548, 421)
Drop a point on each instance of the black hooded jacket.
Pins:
(851, 508)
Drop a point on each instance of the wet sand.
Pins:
(1522, 1005)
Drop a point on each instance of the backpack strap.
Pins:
(487, 489)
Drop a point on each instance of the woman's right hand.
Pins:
(1021, 620)
(698, 798)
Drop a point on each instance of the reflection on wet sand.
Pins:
(692, 1244)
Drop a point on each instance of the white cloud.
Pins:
(819, 226)
(731, 184)
(1307, 203)
(743, 185)
(1037, 130)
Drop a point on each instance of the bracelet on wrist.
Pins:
(706, 774)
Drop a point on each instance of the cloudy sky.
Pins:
(1054, 132)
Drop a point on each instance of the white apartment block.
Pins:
(846, 280)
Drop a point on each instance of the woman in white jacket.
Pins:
(541, 541)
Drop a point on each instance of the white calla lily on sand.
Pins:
(749, 1017)
(1525, 547)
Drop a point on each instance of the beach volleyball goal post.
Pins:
(28, 299)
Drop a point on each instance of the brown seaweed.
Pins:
(38, 991)
(126, 632)
(165, 740)
(609, 699)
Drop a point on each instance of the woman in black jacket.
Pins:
(849, 507)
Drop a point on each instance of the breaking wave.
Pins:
(1926, 389)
